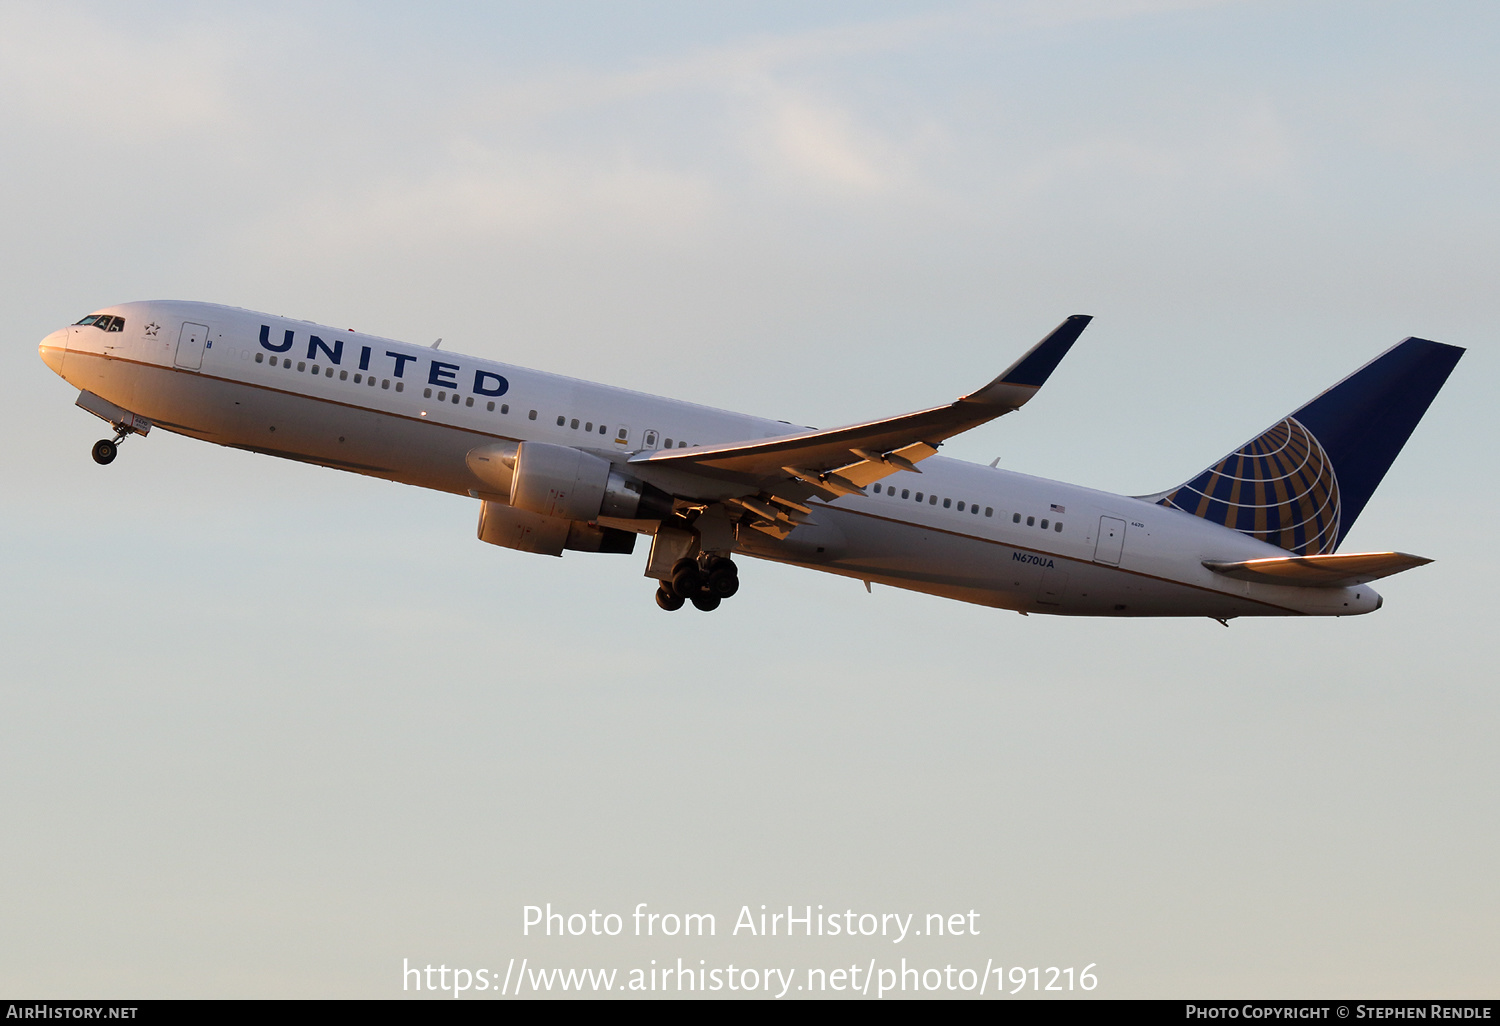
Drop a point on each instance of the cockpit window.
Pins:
(104, 322)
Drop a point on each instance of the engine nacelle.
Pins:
(561, 481)
(521, 529)
(558, 481)
(494, 464)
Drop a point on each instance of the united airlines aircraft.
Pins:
(558, 464)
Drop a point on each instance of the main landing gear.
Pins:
(705, 582)
(106, 449)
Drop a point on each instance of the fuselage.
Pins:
(410, 413)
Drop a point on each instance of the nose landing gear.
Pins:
(705, 582)
(106, 449)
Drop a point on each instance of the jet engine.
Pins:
(561, 481)
(513, 528)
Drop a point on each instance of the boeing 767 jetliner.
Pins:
(557, 463)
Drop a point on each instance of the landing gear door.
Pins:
(1111, 541)
(190, 345)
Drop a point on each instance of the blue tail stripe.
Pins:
(1301, 483)
(1364, 420)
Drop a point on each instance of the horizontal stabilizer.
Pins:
(1330, 571)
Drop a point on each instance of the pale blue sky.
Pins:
(266, 729)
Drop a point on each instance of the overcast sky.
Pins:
(268, 729)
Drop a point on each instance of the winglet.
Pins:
(1022, 379)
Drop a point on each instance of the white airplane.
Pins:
(559, 463)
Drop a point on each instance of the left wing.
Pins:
(772, 476)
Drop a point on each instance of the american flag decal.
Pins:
(1058, 509)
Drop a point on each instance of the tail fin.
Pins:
(1301, 483)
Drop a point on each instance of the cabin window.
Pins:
(1015, 518)
(574, 425)
(301, 366)
(947, 503)
(561, 421)
(877, 489)
(589, 427)
(343, 375)
(426, 393)
(905, 493)
(974, 510)
(622, 434)
(960, 505)
(989, 511)
(1057, 527)
(442, 397)
(370, 381)
(682, 445)
(400, 386)
(602, 429)
(650, 440)
(669, 443)
(504, 407)
(261, 357)
(470, 402)
(316, 371)
(1031, 521)
(1044, 525)
(456, 398)
(385, 383)
(531, 415)
(490, 406)
(932, 500)
(919, 496)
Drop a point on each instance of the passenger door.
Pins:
(1111, 541)
(190, 345)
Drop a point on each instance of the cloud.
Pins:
(483, 194)
(83, 75)
(1254, 147)
(804, 142)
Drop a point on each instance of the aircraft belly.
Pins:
(293, 426)
(112, 379)
(984, 572)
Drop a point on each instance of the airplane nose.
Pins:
(53, 348)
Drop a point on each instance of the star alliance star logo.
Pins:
(152, 329)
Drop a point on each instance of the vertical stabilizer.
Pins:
(1301, 483)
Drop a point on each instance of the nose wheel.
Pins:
(704, 582)
(106, 449)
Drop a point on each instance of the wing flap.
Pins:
(1329, 571)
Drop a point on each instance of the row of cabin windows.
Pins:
(1031, 522)
(973, 508)
(622, 434)
(932, 500)
(365, 379)
(443, 397)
